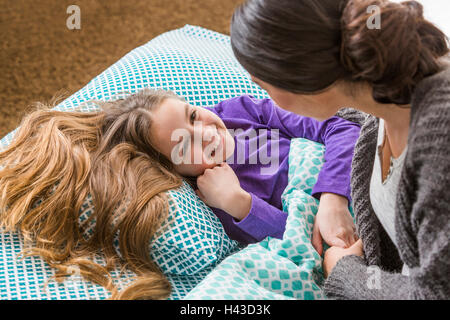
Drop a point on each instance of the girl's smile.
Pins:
(193, 138)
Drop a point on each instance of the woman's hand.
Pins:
(219, 187)
(333, 223)
(334, 254)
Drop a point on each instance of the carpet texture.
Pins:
(41, 58)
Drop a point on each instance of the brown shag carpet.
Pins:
(40, 57)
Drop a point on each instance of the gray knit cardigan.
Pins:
(422, 220)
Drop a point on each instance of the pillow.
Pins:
(191, 239)
(199, 65)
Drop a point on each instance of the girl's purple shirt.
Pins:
(245, 115)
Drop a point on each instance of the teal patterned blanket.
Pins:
(288, 268)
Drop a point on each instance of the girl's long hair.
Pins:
(58, 159)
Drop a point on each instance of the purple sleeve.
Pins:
(263, 220)
(338, 135)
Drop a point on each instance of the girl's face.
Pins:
(193, 138)
(320, 106)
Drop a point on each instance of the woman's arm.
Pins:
(351, 278)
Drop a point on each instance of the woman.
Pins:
(131, 151)
(315, 57)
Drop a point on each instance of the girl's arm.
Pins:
(333, 224)
(244, 216)
(338, 135)
(261, 221)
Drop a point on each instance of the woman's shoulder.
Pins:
(368, 124)
(427, 160)
(353, 115)
(430, 112)
(432, 97)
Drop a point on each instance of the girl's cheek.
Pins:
(198, 159)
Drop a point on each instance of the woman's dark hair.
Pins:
(304, 46)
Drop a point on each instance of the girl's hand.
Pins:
(333, 223)
(334, 254)
(219, 187)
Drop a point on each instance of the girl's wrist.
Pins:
(239, 204)
(334, 199)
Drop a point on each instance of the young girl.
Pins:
(132, 147)
(246, 194)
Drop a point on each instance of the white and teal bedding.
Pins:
(199, 65)
(191, 248)
(288, 268)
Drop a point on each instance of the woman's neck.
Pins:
(396, 119)
(397, 130)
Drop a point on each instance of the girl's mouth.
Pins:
(215, 144)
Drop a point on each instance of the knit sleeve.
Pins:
(352, 279)
(423, 232)
(422, 215)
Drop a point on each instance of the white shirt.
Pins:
(383, 193)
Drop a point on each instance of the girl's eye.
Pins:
(193, 116)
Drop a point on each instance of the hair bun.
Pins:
(415, 8)
(394, 56)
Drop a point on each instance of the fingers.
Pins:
(317, 241)
(225, 165)
(337, 242)
(350, 240)
(357, 248)
(343, 238)
(358, 243)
